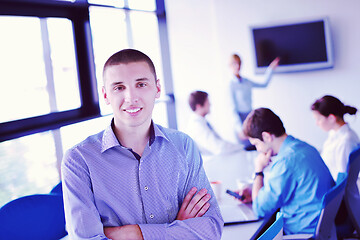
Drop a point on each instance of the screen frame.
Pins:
(329, 63)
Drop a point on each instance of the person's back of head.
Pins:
(331, 105)
(263, 120)
(127, 56)
(197, 97)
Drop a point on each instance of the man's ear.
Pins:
(197, 106)
(105, 95)
(158, 88)
(267, 137)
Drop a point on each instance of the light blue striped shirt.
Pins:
(241, 91)
(105, 185)
(296, 183)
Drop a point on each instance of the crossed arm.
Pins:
(192, 206)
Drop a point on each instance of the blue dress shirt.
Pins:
(241, 91)
(296, 183)
(105, 185)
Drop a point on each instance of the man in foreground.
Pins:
(136, 179)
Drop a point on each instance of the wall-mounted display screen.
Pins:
(301, 46)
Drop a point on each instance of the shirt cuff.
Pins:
(256, 209)
(153, 231)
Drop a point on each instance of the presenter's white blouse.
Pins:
(337, 148)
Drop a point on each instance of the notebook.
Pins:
(237, 213)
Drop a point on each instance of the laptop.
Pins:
(237, 213)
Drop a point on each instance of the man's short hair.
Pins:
(262, 120)
(126, 56)
(197, 97)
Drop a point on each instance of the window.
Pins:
(106, 40)
(28, 166)
(32, 85)
(132, 30)
(52, 54)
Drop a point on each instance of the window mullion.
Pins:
(48, 65)
(129, 29)
(51, 87)
(165, 59)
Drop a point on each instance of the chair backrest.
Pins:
(57, 189)
(330, 205)
(275, 231)
(39, 216)
(352, 197)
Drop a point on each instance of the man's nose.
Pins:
(131, 95)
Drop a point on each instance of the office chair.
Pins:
(331, 201)
(34, 217)
(352, 197)
(57, 189)
(275, 231)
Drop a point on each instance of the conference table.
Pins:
(228, 169)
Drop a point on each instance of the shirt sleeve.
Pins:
(278, 188)
(82, 218)
(207, 139)
(267, 77)
(343, 153)
(209, 226)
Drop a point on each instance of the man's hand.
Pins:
(262, 161)
(246, 193)
(194, 206)
(127, 232)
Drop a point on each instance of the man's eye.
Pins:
(118, 88)
(141, 84)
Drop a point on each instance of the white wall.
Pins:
(204, 33)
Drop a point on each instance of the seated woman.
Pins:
(342, 140)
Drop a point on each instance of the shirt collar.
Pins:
(110, 140)
(343, 129)
(284, 146)
(157, 133)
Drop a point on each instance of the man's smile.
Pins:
(133, 110)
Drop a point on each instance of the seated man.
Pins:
(136, 179)
(297, 179)
(199, 129)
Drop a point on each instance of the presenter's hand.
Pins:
(194, 206)
(126, 232)
(275, 63)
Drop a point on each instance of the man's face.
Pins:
(261, 146)
(323, 122)
(206, 106)
(131, 90)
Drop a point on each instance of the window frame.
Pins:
(78, 13)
